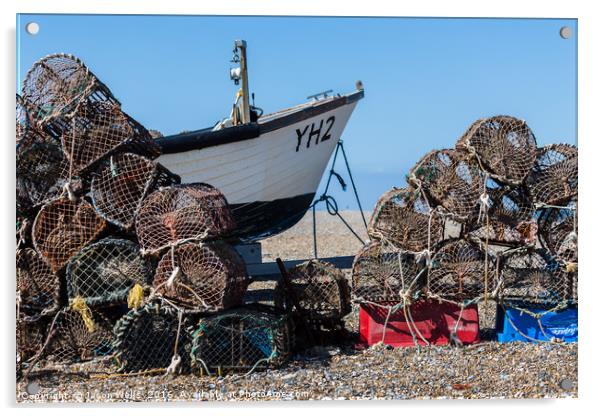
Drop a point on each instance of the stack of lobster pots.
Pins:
(493, 219)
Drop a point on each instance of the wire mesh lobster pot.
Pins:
(38, 287)
(58, 84)
(451, 180)
(148, 338)
(202, 277)
(30, 339)
(73, 339)
(182, 213)
(98, 130)
(534, 277)
(558, 229)
(103, 273)
(404, 218)
(554, 179)
(62, 228)
(510, 218)
(42, 171)
(122, 182)
(24, 123)
(505, 147)
(382, 273)
(242, 339)
(320, 288)
(460, 272)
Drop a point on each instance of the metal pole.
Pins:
(246, 110)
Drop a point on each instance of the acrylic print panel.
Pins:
(416, 176)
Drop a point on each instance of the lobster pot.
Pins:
(42, 171)
(460, 272)
(558, 230)
(242, 339)
(533, 277)
(202, 277)
(451, 180)
(321, 290)
(100, 129)
(121, 183)
(57, 84)
(24, 124)
(505, 147)
(554, 178)
(510, 218)
(74, 339)
(62, 228)
(103, 273)
(382, 274)
(37, 286)
(147, 338)
(30, 339)
(182, 212)
(403, 218)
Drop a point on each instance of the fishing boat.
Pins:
(268, 166)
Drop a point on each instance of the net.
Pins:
(383, 274)
(404, 218)
(182, 213)
(554, 179)
(23, 120)
(122, 182)
(451, 180)
(242, 339)
(505, 147)
(558, 231)
(62, 228)
(104, 272)
(321, 290)
(202, 277)
(38, 287)
(149, 337)
(460, 273)
(30, 339)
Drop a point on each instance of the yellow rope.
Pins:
(571, 267)
(79, 305)
(136, 297)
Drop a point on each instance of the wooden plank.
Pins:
(270, 271)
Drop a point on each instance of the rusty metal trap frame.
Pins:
(120, 184)
(554, 178)
(30, 339)
(153, 338)
(103, 273)
(533, 277)
(24, 125)
(558, 231)
(38, 288)
(381, 274)
(247, 338)
(404, 218)
(62, 228)
(452, 180)
(202, 277)
(460, 272)
(56, 85)
(181, 213)
(504, 147)
(321, 290)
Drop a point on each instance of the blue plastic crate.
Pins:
(561, 325)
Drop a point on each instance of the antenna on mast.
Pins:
(240, 73)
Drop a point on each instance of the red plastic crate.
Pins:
(434, 320)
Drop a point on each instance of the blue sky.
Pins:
(426, 80)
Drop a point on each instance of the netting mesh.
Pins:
(38, 287)
(122, 182)
(383, 274)
(104, 272)
(57, 84)
(23, 120)
(452, 181)
(72, 339)
(321, 290)
(180, 213)
(403, 217)
(202, 277)
(534, 277)
(554, 179)
(504, 145)
(558, 231)
(459, 272)
(30, 339)
(62, 228)
(242, 339)
(148, 338)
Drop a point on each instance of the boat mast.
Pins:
(241, 73)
